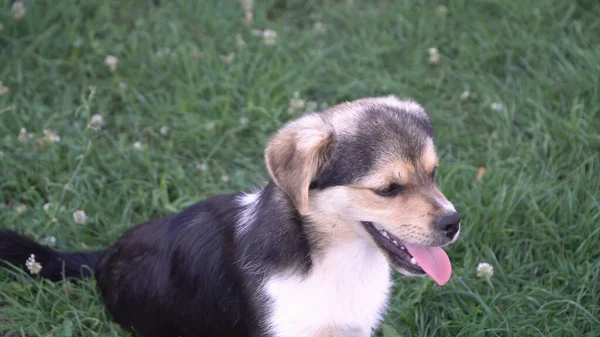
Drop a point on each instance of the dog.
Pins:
(351, 197)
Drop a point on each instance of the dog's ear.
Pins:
(295, 155)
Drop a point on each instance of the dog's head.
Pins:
(366, 169)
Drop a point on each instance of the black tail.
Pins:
(16, 249)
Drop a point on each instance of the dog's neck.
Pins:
(269, 214)
(270, 233)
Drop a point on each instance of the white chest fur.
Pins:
(345, 295)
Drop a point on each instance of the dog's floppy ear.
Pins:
(295, 155)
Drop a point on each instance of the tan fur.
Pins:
(294, 155)
(429, 159)
(397, 171)
(343, 118)
(339, 210)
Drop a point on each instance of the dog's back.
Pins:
(176, 275)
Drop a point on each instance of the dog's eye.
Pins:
(390, 191)
(432, 174)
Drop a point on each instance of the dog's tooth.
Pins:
(395, 242)
(413, 261)
(377, 227)
(385, 235)
(402, 247)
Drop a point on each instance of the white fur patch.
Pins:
(248, 202)
(446, 205)
(345, 117)
(409, 106)
(345, 294)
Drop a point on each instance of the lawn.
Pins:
(192, 93)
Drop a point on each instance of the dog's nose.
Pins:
(449, 223)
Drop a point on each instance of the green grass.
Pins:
(534, 215)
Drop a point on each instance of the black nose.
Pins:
(449, 223)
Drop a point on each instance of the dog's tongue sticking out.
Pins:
(433, 260)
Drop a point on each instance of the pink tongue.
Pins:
(433, 260)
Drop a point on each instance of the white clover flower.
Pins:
(18, 10)
(434, 56)
(21, 209)
(497, 106)
(248, 15)
(225, 178)
(49, 241)
(229, 58)
(3, 89)
(123, 86)
(485, 270)
(256, 32)
(201, 167)
(47, 206)
(248, 18)
(80, 217)
(33, 266)
(1, 153)
(138, 146)
(244, 121)
(296, 103)
(50, 136)
(311, 106)
(465, 96)
(24, 137)
(210, 126)
(320, 27)
(269, 37)
(442, 10)
(164, 130)
(96, 121)
(111, 62)
(239, 41)
(1, 27)
(162, 52)
(195, 53)
(434, 59)
(247, 5)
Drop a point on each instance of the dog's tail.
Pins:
(29, 255)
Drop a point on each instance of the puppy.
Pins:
(352, 195)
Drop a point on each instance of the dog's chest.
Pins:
(345, 294)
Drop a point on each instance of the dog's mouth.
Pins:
(412, 259)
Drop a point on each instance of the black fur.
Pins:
(177, 276)
(354, 156)
(186, 274)
(16, 249)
